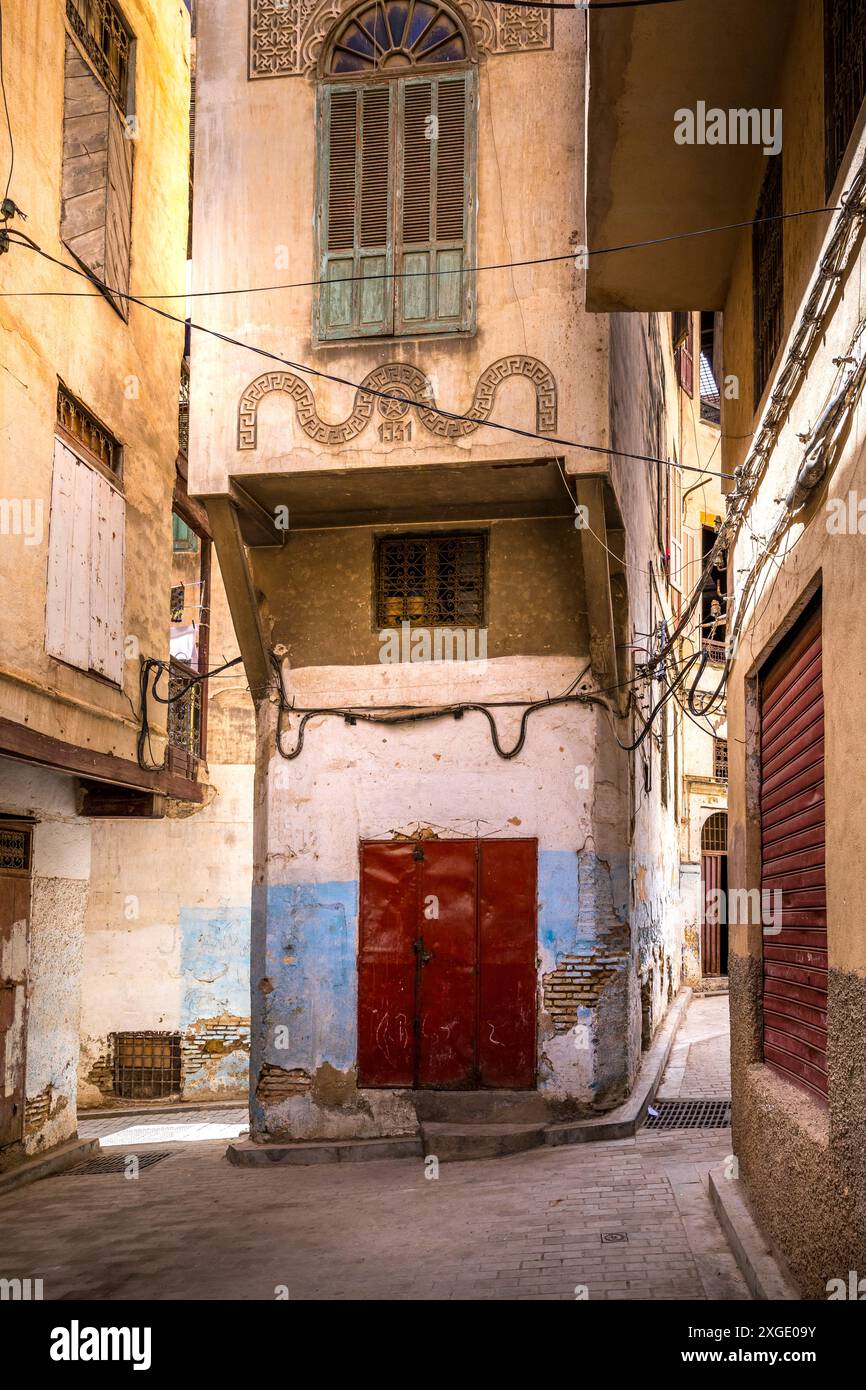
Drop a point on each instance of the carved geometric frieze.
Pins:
(286, 36)
(394, 390)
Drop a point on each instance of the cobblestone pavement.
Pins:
(700, 1060)
(624, 1220)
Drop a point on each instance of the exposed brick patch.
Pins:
(276, 1084)
(38, 1110)
(581, 977)
(211, 1038)
(578, 982)
(101, 1074)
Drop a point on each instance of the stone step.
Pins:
(458, 1143)
(481, 1107)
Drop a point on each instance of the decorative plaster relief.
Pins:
(286, 36)
(398, 380)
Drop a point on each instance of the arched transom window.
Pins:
(396, 172)
(392, 33)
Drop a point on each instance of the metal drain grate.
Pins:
(690, 1114)
(116, 1163)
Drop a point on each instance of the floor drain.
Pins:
(613, 1237)
(690, 1114)
(116, 1163)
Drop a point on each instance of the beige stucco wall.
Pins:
(127, 374)
(168, 950)
(529, 205)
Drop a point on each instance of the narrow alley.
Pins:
(629, 1219)
(432, 593)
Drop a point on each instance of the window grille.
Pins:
(104, 34)
(184, 721)
(437, 581)
(844, 78)
(720, 759)
(16, 843)
(714, 836)
(768, 274)
(146, 1065)
(183, 412)
(85, 430)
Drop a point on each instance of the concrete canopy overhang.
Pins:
(323, 498)
(645, 65)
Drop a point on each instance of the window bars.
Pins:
(434, 580)
(720, 759)
(844, 78)
(768, 275)
(103, 33)
(16, 842)
(85, 429)
(146, 1064)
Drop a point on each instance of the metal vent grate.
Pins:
(690, 1114)
(116, 1163)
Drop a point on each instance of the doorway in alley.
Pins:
(714, 895)
(447, 964)
(16, 839)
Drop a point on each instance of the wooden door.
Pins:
(446, 964)
(15, 841)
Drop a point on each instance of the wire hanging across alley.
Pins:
(148, 688)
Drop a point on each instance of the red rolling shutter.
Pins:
(793, 860)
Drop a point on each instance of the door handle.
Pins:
(423, 956)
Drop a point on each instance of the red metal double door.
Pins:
(447, 964)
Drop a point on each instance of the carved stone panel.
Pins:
(286, 36)
(393, 390)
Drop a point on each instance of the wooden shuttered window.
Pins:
(84, 604)
(96, 191)
(395, 200)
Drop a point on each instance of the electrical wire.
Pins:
(149, 689)
(6, 111)
(19, 238)
(390, 275)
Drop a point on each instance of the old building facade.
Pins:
(466, 861)
(791, 411)
(125, 866)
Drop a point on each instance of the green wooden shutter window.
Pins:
(395, 195)
(434, 205)
(357, 216)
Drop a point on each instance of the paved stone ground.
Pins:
(625, 1220)
(700, 1061)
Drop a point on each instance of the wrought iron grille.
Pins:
(183, 412)
(104, 34)
(435, 581)
(714, 835)
(720, 759)
(15, 849)
(716, 651)
(767, 274)
(844, 78)
(184, 717)
(86, 430)
(146, 1064)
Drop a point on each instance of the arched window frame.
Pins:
(415, 302)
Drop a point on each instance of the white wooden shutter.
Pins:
(106, 580)
(84, 603)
